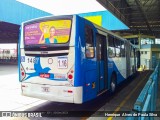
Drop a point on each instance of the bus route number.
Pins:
(62, 63)
(32, 60)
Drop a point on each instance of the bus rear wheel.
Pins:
(113, 83)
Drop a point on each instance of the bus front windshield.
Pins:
(48, 32)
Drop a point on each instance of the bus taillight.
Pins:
(24, 86)
(22, 73)
(71, 76)
(70, 91)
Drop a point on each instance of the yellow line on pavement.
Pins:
(125, 100)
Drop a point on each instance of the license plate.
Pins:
(45, 89)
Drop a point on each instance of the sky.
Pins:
(65, 7)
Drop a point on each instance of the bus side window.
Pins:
(111, 47)
(122, 49)
(132, 52)
(118, 46)
(89, 52)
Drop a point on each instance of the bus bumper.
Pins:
(67, 94)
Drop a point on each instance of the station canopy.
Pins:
(13, 13)
(141, 16)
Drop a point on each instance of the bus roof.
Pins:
(48, 18)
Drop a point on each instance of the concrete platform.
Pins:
(125, 97)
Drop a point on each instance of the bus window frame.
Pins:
(92, 47)
(123, 54)
(114, 54)
(116, 40)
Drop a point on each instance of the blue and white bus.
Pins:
(70, 59)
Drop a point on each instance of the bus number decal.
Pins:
(62, 62)
(32, 60)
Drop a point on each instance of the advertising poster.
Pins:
(48, 32)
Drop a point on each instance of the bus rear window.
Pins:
(48, 32)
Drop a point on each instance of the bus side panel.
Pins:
(86, 68)
(123, 67)
(132, 63)
(117, 65)
(110, 70)
(79, 50)
(79, 55)
(118, 69)
(128, 66)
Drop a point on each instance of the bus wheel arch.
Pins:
(113, 83)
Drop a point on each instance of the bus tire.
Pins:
(113, 83)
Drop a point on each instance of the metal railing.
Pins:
(145, 104)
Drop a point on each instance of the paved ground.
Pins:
(12, 100)
(125, 97)
(10, 91)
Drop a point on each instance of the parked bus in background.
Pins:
(70, 59)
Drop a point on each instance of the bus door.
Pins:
(101, 61)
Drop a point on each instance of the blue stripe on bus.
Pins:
(112, 69)
(38, 69)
